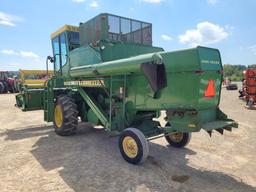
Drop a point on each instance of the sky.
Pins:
(228, 25)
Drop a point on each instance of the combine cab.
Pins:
(108, 73)
(31, 86)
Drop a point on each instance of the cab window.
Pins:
(56, 53)
(73, 40)
(63, 49)
(60, 52)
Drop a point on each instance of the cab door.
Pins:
(59, 45)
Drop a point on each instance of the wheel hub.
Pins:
(176, 137)
(130, 147)
(58, 116)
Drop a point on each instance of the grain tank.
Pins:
(108, 73)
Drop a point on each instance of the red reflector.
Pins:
(210, 90)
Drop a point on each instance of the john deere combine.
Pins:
(108, 73)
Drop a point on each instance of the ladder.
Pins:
(48, 101)
(96, 109)
(123, 80)
(46, 115)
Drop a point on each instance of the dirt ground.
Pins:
(34, 158)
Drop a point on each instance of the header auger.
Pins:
(108, 73)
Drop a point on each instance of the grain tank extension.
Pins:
(108, 73)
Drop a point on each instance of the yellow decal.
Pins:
(210, 62)
(85, 83)
(191, 125)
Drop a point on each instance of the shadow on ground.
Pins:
(27, 132)
(90, 161)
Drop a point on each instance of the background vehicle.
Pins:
(248, 92)
(231, 86)
(108, 73)
(7, 83)
(31, 86)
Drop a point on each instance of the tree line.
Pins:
(235, 72)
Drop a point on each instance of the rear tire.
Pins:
(178, 139)
(65, 116)
(133, 146)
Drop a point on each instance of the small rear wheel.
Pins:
(65, 116)
(133, 146)
(178, 139)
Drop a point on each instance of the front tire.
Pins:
(178, 139)
(1, 87)
(6, 87)
(133, 146)
(65, 116)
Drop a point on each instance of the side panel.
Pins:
(182, 83)
(211, 67)
(179, 93)
(83, 56)
(116, 51)
(188, 77)
(206, 102)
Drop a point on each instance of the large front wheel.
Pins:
(1, 87)
(65, 116)
(133, 146)
(178, 139)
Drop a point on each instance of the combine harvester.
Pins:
(31, 86)
(108, 73)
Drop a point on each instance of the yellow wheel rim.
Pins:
(176, 137)
(58, 116)
(130, 147)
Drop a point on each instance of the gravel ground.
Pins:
(34, 158)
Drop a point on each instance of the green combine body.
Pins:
(108, 73)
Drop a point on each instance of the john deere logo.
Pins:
(91, 83)
(210, 62)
